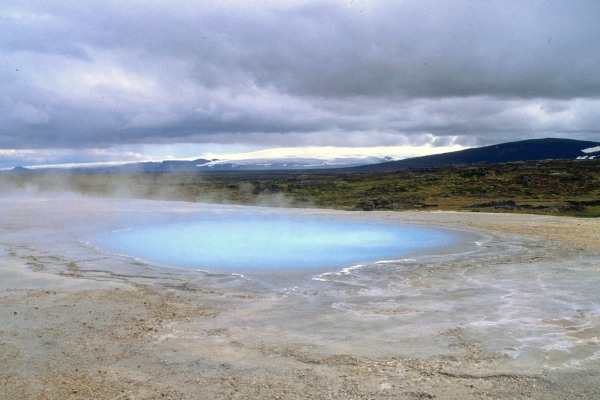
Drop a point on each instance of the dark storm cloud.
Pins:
(97, 74)
(424, 49)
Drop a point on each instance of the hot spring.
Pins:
(234, 243)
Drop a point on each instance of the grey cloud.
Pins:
(437, 49)
(441, 50)
(79, 74)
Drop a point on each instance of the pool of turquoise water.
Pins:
(242, 243)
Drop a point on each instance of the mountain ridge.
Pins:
(523, 150)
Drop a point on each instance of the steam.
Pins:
(155, 186)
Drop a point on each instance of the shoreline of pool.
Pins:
(516, 317)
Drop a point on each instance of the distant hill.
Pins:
(151, 166)
(299, 163)
(524, 150)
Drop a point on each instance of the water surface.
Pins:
(240, 243)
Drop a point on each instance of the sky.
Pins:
(108, 81)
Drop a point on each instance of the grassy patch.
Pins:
(544, 187)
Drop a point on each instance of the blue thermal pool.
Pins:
(238, 243)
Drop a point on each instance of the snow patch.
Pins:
(591, 149)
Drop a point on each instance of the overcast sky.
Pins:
(111, 80)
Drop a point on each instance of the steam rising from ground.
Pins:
(159, 186)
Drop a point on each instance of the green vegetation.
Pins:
(549, 187)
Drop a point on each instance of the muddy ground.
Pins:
(515, 316)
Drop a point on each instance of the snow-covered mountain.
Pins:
(224, 163)
(291, 163)
(354, 161)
